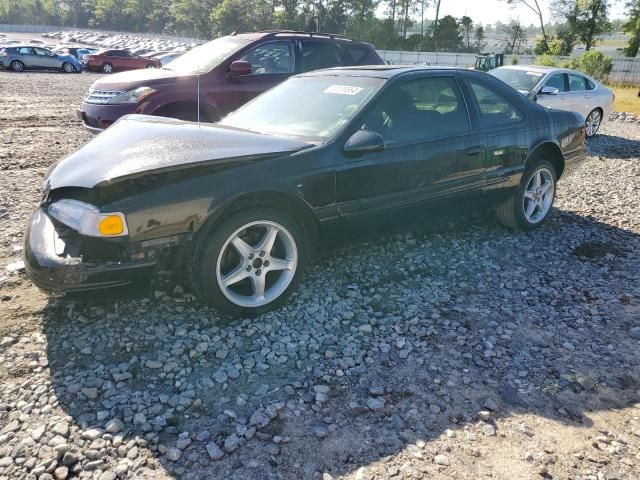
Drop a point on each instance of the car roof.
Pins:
(380, 71)
(294, 33)
(545, 70)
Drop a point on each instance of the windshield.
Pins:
(311, 108)
(205, 57)
(518, 79)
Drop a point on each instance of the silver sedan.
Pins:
(561, 89)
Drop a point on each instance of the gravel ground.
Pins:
(461, 351)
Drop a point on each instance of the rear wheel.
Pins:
(529, 205)
(68, 68)
(16, 66)
(593, 121)
(250, 263)
(107, 68)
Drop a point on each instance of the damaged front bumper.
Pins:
(52, 268)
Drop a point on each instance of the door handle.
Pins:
(473, 151)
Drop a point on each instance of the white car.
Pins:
(561, 89)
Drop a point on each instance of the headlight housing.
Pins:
(87, 219)
(132, 96)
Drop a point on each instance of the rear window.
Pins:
(361, 55)
(318, 55)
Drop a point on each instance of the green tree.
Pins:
(467, 26)
(593, 63)
(632, 27)
(513, 37)
(534, 6)
(241, 15)
(449, 36)
(586, 19)
(479, 39)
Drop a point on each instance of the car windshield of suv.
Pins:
(518, 79)
(205, 57)
(309, 108)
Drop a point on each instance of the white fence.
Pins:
(625, 70)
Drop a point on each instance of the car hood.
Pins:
(135, 78)
(138, 145)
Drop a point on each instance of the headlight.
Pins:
(133, 96)
(87, 219)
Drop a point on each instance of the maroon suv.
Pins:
(216, 78)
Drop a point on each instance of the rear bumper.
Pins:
(53, 272)
(97, 117)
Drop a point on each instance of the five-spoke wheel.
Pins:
(529, 204)
(250, 262)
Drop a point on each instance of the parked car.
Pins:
(77, 52)
(108, 61)
(27, 57)
(562, 89)
(244, 202)
(226, 72)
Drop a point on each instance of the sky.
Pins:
(489, 11)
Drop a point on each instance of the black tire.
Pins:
(68, 68)
(150, 65)
(204, 262)
(106, 68)
(511, 212)
(16, 66)
(595, 111)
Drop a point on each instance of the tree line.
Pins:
(389, 24)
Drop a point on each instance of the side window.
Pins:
(576, 83)
(495, 109)
(318, 55)
(419, 110)
(25, 51)
(556, 81)
(357, 53)
(41, 51)
(270, 58)
(590, 84)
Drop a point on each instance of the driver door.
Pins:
(430, 149)
(271, 63)
(559, 100)
(45, 58)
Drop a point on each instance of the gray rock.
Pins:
(215, 453)
(491, 404)
(231, 442)
(114, 425)
(173, 454)
(635, 333)
(60, 428)
(376, 403)
(441, 459)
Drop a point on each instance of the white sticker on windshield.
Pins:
(535, 74)
(343, 89)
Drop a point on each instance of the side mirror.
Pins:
(364, 141)
(549, 91)
(240, 67)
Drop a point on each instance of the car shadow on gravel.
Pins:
(387, 344)
(613, 146)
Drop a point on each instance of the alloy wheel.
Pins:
(106, 68)
(592, 123)
(256, 263)
(68, 68)
(538, 195)
(17, 66)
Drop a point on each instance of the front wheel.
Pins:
(592, 123)
(16, 66)
(529, 205)
(68, 68)
(250, 263)
(107, 68)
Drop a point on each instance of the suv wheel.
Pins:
(250, 263)
(68, 68)
(16, 66)
(107, 68)
(529, 206)
(592, 123)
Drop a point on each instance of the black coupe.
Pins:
(242, 203)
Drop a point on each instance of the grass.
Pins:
(627, 99)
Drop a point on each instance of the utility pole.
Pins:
(435, 27)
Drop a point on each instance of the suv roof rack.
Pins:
(311, 34)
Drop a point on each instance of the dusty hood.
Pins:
(134, 78)
(139, 144)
